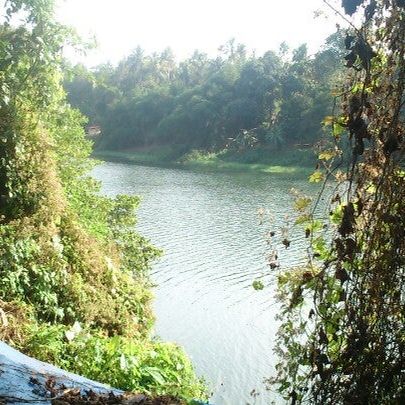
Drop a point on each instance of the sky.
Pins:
(185, 25)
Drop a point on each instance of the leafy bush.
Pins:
(150, 366)
(69, 256)
(196, 155)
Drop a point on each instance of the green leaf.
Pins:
(258, 285)
(303, 219)
(316, 177)
(155, 374)
(327, 154)
(328, 120)
(301, 203)
(338, 129)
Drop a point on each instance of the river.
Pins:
(209, 228)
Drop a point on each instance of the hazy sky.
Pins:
(186, 25)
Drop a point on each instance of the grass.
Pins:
(217, 164)
(291, 161)
(152, 156)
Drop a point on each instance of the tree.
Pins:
(342, 334)
(74, 285)
(282, 100)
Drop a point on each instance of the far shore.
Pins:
(296, 161)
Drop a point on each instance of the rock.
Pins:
(23, 379)
(26, 380)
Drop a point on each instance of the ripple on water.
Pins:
(208, 227)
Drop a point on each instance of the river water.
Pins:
(214, 248)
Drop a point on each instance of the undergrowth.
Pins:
(74, 273)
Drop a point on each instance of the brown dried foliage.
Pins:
(354, 349)
(362, 358)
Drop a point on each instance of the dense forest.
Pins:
(236, 100)
(74, 273)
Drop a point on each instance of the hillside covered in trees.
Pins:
(236, 100)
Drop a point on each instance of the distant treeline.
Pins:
(236, 99)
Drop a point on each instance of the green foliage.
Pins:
(68, 255)
(316, 177)
(141, 365)
(341, 339)
(153, 367)
(236, 101)
(262, 160)
(258, 285)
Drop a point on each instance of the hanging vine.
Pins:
(342, 337)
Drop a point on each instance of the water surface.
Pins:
(209, 228)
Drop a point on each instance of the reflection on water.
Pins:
(208, 227)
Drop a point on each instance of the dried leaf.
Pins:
(350, 6)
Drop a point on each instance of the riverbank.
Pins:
(292, 161)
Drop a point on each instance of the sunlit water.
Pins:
(208, 226)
